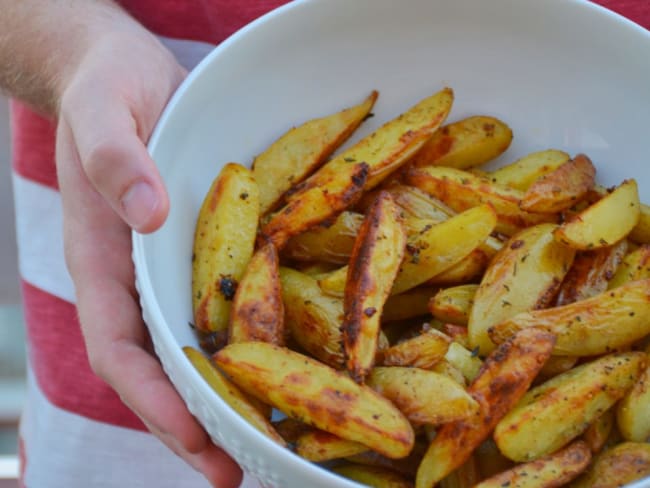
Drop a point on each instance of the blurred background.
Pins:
(12, 335)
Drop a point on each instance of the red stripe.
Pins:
(58, 359)
(636, 10)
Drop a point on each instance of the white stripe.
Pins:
(39, 232)
(188, 53)
(64, 450)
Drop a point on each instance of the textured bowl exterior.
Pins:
(562, 73)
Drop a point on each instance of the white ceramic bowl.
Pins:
(565, 74)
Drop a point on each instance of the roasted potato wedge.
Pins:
(618, 466)
(635, 266)
(375, 260)
(424, 397)
(504, 378)
(312, 318)
(633, 411)
(524, 275)
(231, 394)
(590, 273)
(318, 446)
(453, 304)
(549, 416)
(302, 149)
(605, 222)
(561, 188)
(593, 326)
(310, 391)
(641, 232)
(421, 351)
(375, 476)
(468, 142)
(224, 238)
(550, 471)
(525, 171)
(599, 431)
(461, 190)
(411, 303)
(467, 362)
(257, 312)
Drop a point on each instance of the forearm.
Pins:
(42, 42)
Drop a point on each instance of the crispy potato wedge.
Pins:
(461, 190)
(623, 464)
(593, 326)
(453, 304)
(421, 351)
(467, 270)
(375, 476)
(635, 266)
(416, 203)
(375, 260)
(231, 394)
(524, 275)
(551, 415)
(224, 238)
(550, 471)
(467, 362)
(327, 242)
(527, 170)
(290, 429)
(411, 303)
(557, 365)
(257, 312)
(599, 431)
(590, 273)
(504, 378)
(605, 222)
(310, 391)
(312, 318)
(424, 397)
(436, 249)
(318, 446)
(458, 333)
(633, 411)
(449, 370)
(317, 203)
(302, 149)
(406, 466)
(468, 142)
(641, 232)
(562, 188)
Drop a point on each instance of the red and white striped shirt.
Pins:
(75, 431)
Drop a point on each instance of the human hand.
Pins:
(110, 102)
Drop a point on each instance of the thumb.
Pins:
(117, 164)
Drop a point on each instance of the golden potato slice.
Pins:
(421, 351)
(467, 362)
(562, 188)
(468, 142)
(599, 431)
(318, 446)
(551, 415)
(593, 326)
(453, 304)
(605, 222)
(374, 263)
(633, 411)
(641, 232)
(461, 190)
(301, 150)
(224, 238)
(417, 203)
(635, 266)
(470, 269)
(310, 391)
(547, 472)
(435, 249)
(312, 318)
(525, 171)
(623, 464)
(327, 242)
(411, 303)
(375, 476)
(257, 312)
(506, 375)
(524, 275)
(424, 397)
(590, 273)
(230, 394)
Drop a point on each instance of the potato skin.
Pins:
(633, 411)
(551, 415)
(503, 379)
(312, 392)
(525, 171)
(622, 464)
(223, 245)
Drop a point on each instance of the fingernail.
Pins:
(139, 203)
